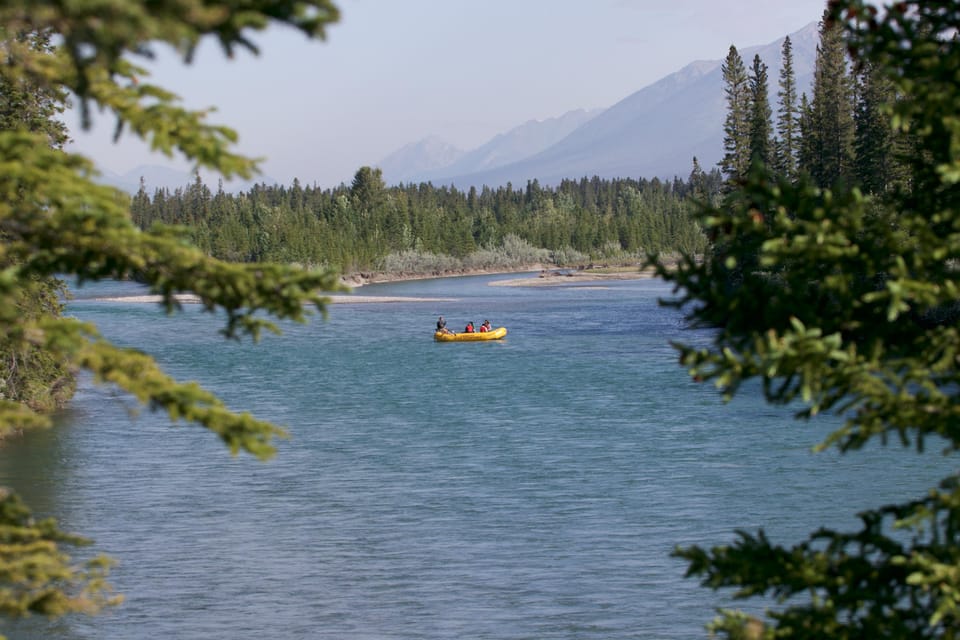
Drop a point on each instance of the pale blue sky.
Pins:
(393, 72)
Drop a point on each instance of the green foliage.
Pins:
(54, 219)
(512, 253)
(417, 262)
(27, 105)
(848, 304)
(568, 257)
(35, 573)
(30, 376)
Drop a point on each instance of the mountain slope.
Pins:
(418, 158)
(520, 142)
(420, 161)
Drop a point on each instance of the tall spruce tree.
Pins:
(367, 190)
(832, 127)
(697, 181)
(761, 129)
(736, 128)
(806, 152)
(788, 119)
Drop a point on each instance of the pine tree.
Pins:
(698, 181)
(140, 206)
(806, 151)
(878, 167)
(736, 128)
(367, 190)
(788, 120)
(832, 106)
(761, 129)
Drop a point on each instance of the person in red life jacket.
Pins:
(485, 326)
(469, 328)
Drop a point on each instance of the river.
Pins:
(528, 488)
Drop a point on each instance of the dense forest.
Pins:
(421, 227)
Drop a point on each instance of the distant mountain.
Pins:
(160, 177)
(418, 158)
(655, 132)
(516, 144)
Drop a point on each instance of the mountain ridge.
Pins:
(653, 132)
(521, 141)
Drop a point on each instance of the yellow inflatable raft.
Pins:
(495, 334)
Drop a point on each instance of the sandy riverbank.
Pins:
(545, 277)
(560, 278)
(189, 298)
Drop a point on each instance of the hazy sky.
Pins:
(393, 72)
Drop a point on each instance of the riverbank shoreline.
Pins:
(546, 276)
(565, 277)
(334, 298)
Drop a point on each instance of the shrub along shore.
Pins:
(548, 274)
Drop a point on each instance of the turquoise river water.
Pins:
(528, 488)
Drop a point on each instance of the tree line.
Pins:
(367, 225)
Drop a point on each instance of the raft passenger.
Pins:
(442, 326)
